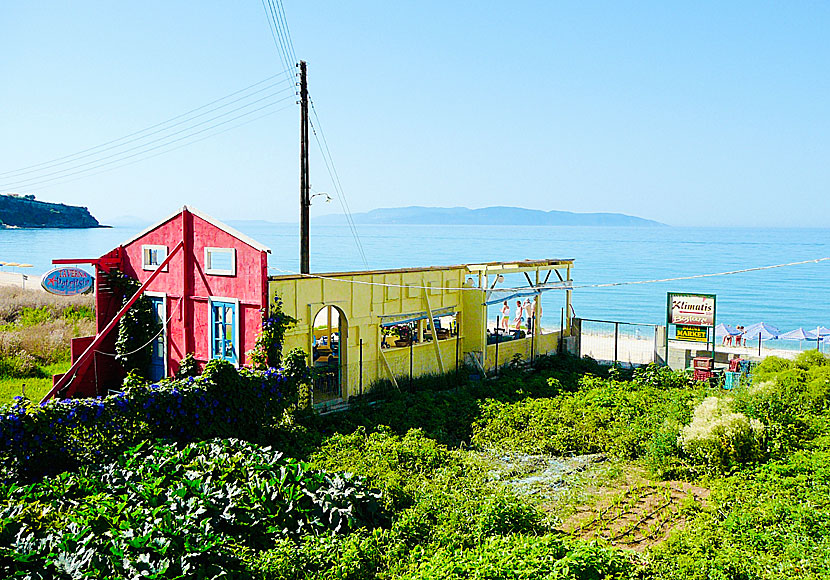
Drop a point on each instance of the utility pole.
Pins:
(305, 186)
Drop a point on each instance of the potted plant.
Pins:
(404, 333)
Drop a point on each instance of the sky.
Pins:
(705, 113)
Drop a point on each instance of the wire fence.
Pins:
(622, 343)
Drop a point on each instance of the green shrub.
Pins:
(526, 558)
(20, 366)
(37, 440)
(397, 465)
(719, 438)
(178, 512)
(188, 367)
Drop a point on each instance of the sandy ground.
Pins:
(20, 280)
(641, 350)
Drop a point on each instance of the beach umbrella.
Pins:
(763, 331)
(725, 330)
(823, 334)
(800, 335)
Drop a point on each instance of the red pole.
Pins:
(67, 377)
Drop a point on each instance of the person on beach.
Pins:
(517, 321)
(727, 340)
(505, 316)
(528, 313)
(739, 338)
(533, 307)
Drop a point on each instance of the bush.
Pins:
(63, 434)
(718, 438)
(20, 366)
(216, 496)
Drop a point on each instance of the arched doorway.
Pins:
(328, 354)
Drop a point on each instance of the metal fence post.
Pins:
(497, 346)
(616, 340)
(361, 366)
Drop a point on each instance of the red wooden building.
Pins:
(208, 284)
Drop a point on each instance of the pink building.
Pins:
(208, 284)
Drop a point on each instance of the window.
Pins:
(153, 256)
(224, 329)
(220, 261)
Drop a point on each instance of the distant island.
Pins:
(24, 211)
(502, 216)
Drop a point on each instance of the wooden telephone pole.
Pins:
(305, 186)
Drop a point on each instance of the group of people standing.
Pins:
(525, 312)
(735, 339)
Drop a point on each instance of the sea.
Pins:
(786, 297)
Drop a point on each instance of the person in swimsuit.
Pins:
(505, 316)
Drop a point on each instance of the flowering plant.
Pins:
(267, 351)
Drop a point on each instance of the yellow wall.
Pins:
(545, 343)
(363, 305)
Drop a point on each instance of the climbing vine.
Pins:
(136, 328)
(267, 351)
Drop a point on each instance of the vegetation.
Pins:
(35, 332)
(229, 475)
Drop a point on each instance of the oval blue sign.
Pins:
(67, 281)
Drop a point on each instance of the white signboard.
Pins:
(692, 309)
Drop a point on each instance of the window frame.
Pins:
(150, 247)
(219, 271)
(236, 331)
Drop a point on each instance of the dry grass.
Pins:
(13, 301)
(36, 327)
(48, 342)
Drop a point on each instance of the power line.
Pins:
(287, 31)
(80, 154)
(275, 35)
(341, 196)
(96, 163)
(122, 157)
(555, 286)
(133, 162)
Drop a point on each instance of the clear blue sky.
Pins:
(706, 113)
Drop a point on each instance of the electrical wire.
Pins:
(275, 35)
(187, 144)
(81, 154)
(559, 285)
(341, 197)
(143, 148)
(287, 30)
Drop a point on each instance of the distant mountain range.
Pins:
(504, 216)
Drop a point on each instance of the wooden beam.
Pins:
(388, 368)
(432, 330)
(67, 378)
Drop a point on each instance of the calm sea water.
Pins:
(785, 297)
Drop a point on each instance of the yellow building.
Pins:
(362, 327)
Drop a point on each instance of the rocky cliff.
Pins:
(24, 211)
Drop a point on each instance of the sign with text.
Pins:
(692, 309)
(67, 281)
(691, 333)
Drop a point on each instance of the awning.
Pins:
(530, 291)
(394, 319)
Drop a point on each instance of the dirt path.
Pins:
(595, 498)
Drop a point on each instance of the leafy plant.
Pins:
(267, 351)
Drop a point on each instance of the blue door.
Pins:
(223, 331)
(157, 351)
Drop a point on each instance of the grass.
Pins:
(35, 388)
(35, 332)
